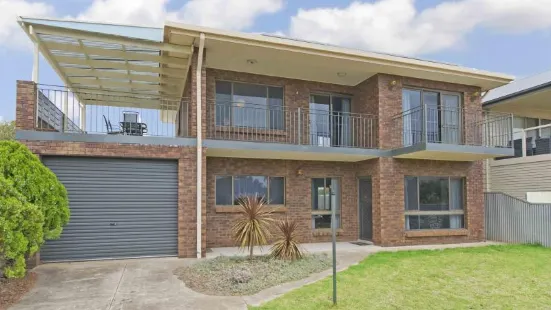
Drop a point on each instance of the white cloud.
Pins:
(397, 26)
(226, 14)
(11, 35)
(136, 12)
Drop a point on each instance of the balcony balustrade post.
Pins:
(523, 143)
(424, 122)
(299, 115)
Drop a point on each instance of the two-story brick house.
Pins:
(158, 130)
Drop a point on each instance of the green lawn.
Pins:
(494, 277)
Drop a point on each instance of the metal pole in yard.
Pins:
(334, 237)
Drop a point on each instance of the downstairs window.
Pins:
(434, 203)
(229, 188)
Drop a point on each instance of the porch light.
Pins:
(341, 74)
(251, 61)
(300, 172)
(393, 83)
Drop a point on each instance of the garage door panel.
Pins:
(110, 253)
(119, 208)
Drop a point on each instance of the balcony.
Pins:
(94, 115)
(533, 141)
(452, 134)
(242, 129)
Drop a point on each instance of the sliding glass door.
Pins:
(442, 117)
(329, 120)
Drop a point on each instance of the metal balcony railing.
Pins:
(96, 111)
(532, 141)
(242, 121)
(454, 126)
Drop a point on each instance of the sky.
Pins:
(507, 36)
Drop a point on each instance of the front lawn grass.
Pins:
(492, 277)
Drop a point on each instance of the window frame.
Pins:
(267, 86)
(251, 175)
(327, 212)
(440, 122)
(448, 212)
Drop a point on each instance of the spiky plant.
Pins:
(287, 247)
(253, 227)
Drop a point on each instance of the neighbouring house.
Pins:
(157, 131)
(526, 174)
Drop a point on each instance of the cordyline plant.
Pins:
(253, 228)
(287, 247)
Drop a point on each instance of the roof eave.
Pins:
(516, 94)
(333, 51)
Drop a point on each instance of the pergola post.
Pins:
(36, 58)
(82, 117)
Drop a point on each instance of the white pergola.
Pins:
(112, 65)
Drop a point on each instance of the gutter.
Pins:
(199, 142)
(516, 94)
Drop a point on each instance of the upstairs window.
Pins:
(249, 105)
(443, 116)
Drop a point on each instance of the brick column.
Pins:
(25, 106)
(193, 94)
(187, 204)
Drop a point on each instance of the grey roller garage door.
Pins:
(119, 208)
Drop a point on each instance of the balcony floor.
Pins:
(451, 152)
(245, 149)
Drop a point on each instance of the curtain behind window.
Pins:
(411, 109)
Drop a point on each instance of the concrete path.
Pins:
(150, 284)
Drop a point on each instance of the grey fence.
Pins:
(509, 219)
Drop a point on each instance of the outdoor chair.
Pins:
(109, 127)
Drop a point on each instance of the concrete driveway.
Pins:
(118, 284)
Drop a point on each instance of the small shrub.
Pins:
(287, 247)
(240, 276)
(252, 228)
(37, 184)
(33, 206)
(21, 231)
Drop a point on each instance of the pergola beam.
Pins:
(106, 81)
(123, 92)
(46, 53)
(98, 64)
(78, 72)
(115, 101)
(114, 53)
(108, 38)
(129, 85)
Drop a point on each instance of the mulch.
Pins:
(11, 290)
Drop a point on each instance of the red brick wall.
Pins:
(193, 95)
(390, 105)
(186, 157)
(388, 206)
(375, 96)
(297, 198)
(25, 111)
(296, 95)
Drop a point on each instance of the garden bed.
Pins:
(234, 276)
(11, 290)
